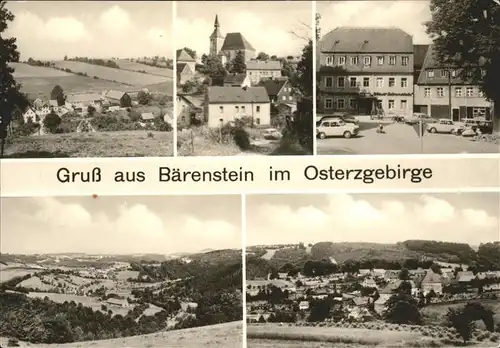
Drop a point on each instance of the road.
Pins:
(402, 139)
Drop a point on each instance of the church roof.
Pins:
(236, 41)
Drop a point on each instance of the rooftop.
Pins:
(217, 94)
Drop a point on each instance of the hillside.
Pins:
(126, 64)
(228, 335)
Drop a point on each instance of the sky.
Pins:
(267, 25)
(120, 225)
(379, 218)
(406, 15)
(48, 30)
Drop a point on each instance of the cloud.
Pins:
(346, 218)
(262, 34)
(57, 226)
(115, 21)
(406, 15)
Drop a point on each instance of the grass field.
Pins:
(9, 273)
(98, 144)
(125, 64)
(227, 335)
(24, 71)
(123, 76)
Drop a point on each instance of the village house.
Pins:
(80, 102)
(118, 98)
(379, 304)
(365, 71)
(30, 115)
(227, 104)
(183, 57)
(465, 277)
(118, 302)
(236, 80)
(189, 108)
(189, 305)
(227, 47)
(304, 305)
(280, 92)
(258, 70)
(369, 283)
(433, 88)
(432, 282)
(184, 73)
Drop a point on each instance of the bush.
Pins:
(51, 122)
(26, 129)
(241, 138)
(13, 342)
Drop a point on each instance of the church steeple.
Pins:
(216, 33)
(216, 39)
(216, 23)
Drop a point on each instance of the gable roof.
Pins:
(84, 97)
(217, 94)
(263, 65)
(366, 40)
(274, 86)
(236, 41)
(419, 53)
(235, 78)
(184, 56)
(114, 94)
(183, 68)
(431, 277)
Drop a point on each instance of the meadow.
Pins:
(97, 144)
(131, 78)
(126, 64)
(228, 335)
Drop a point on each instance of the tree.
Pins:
(65, 57)
(262, 56)
(238, 64)
(404, 274)
(90, 111)
(459, 320)
(51, 122)
(56, 92)
(10, 95)
(213, 67)
(305, 70)
(143, 97)
(466, 34)
(401, 308)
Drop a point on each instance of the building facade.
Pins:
(442, 92)
(227, 104)
(365, 71)
(258, 70)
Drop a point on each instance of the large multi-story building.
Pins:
(365, 70)
(432, 92)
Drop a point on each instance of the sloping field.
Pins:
(123, 76)
(134, 66)
(24, 70)
(164, 87)
(9, 273)
(229, 335)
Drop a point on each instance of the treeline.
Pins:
(95, 61)
(455, 252)
(44, 321)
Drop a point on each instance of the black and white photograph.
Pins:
(244, 78)
(86, 79)
(136, 272)
(413, 77)
(373, 270)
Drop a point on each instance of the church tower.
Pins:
(216, 39)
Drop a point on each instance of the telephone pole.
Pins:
(449, 94)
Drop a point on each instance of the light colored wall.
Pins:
(374, 66)
(256, 75)
(476, 100)
(230, 113)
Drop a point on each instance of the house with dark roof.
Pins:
(186, 66)
(118, 98)
(432, 281)
(280, 92)
(236, 80)
(263, 69)
(442, 92)
(227, 46)
(227, 104)
(188, 108)
(366, 71)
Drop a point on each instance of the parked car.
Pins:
(468, 123)
(336, 128)
(271, 134)
(340, 115)
(416, 117)
(443, 125)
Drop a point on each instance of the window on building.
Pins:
(404, 61)
(341, 81)
(367, 61)
(237, 108)
(427, 92)
(329, 60)
(366, 82)
(380, 82)
(404, 104)
(257, 120)
(404, 82)
(479, 112)
(380, 60)
(243, 108)
(329, 82)
(341, 60)
(444, 73)
(258, 108)
(328, 103)
(392, 81)
(353, 103)
(392, 60)
(458, 92)
(284, 97)
(353, 81)
(354, 60)
(440, 92)
(453, 73)
(340, 103)
(469, 91)
(391, 104)
(221, 109)
(430, 73)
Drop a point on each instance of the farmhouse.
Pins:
(236, 80)
(79, 102)
(432, 281)
(183, 57)
(118, 98)
(147, 116)
(280, 92)
(227, 104)
(188, 109)
(184, 73)
(263, 69)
